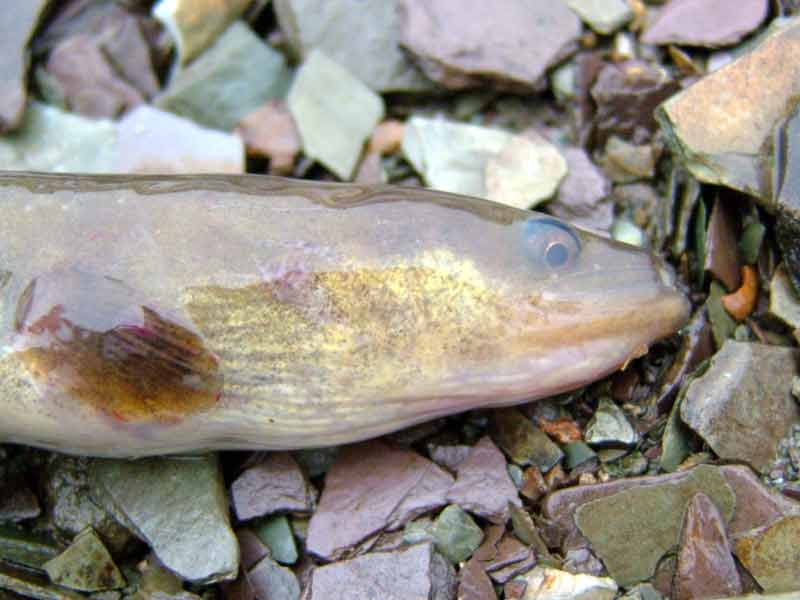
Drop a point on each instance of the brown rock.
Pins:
(722, 244)
(533, 484)
(414, 572)
(251, 548)
(18, 20)
(502, 555)
(387, 137)
(483, 486)
(720, 125)
(626, 95)
(772, 555)
(564, 430)
(89, 83)
(270, 131)
(473, 583)
(373, 487)
(509, 44)
(274, 485)
(710, 23)
(370, 169)
(705, 566)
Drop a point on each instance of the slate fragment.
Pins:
(270, 580)
(178, 506)
(414, 572)
(380, 488)
(722, 250)
(334, 111)
(483, 486)
(772, 555)
(373, 55)
(236, 75)
(154, 141)
(786, 192)
(277, 534)
(609, 426)
(518, 170)
(32, 585)
(276, 484)
(85, 565)
(604, 16)
(195, 24)
(719, 126)
(90, 85)
(456, 535)
(705, 565)
(632, 529)
(18, 20)
(784, 302)
(742, 406)
(582, 197)
(524, 443)
(17, 501)
(502, 555)
(472, 43)
(709, 23)
(50, 139)
(270, 131)
(626, 95)
(473, 583)
(625, 163)
(24, 549)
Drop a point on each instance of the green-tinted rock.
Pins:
(178, 506)
(31, 585)
(675, 441)
(720, 126)
(631, 530)
(524, 443)
(85, 565)
(609, 426)
(23, 548)
(742, 406)
(71, 508)
(772, 555)
(604, 16)
(751, 241)
(722, 324)
(277, 534)
(373, 55)
(577, 453)
(488, 163)
(50, 139)
(627, 232)
(456, 535)
(235, 76)
(334, 111)
(420, 530)
(784, 302)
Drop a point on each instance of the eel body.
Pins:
(143, 315)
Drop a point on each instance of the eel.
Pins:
(144, 315)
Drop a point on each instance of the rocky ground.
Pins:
(671, 125)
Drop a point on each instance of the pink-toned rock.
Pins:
(469, 43)
(371, 488)
(270, 131)
(483, 486)
(502, 555)
(89, 83)
(274, 485)
(705, 565)
(583, 194)
(710, 23)
(473, 583)
(413, 572)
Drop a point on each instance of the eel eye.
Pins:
(551, 244)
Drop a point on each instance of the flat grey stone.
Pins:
(609, 426)
(235, 76)
(271, 581)
(374, 55)
(335, 113)
(178, 506)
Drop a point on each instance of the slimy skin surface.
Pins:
(144, 315)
